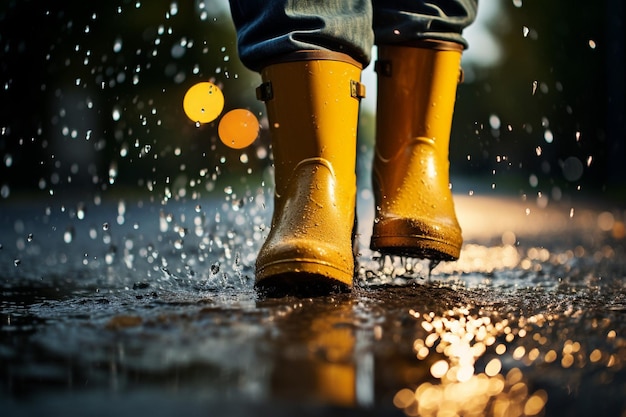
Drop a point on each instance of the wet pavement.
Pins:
(131, 306)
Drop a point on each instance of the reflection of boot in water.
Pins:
(312, 101)
(317, 364)
(414, 209)
(332, 344)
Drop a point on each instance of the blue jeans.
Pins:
(269, 29)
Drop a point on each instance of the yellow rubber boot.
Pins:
(415, 213)
(312, 105)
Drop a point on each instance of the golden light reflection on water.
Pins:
(459, 339)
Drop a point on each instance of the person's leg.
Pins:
(419, 53)
(407, 21)
(311, 90)
(267, 30)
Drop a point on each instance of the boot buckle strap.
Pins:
(357, 90)
(264, 92)
(383, 67)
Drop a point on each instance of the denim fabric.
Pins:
(401, 21)
(269, 29)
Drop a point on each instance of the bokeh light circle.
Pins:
(572, 169)
(238, 128)
(203, 102)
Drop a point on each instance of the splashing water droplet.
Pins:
(5, 191)
(117, 45)
(68, 236)
(432, 264)
(548, 136)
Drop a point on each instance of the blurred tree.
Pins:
(552, 100)
(95, 90)
(92, 92)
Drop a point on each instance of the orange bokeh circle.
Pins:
(238, 128)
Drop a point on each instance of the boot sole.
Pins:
(302, 278)
(422, 247)
(307, 276)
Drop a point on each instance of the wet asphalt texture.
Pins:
(135, 307)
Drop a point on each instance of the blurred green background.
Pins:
(91, 96)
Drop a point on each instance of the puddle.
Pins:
(509, 329)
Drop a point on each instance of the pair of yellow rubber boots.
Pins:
(312, 101)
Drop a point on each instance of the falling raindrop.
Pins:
(547, 136)
(494, 122)
(117, 45)
(5, 191)
(68, 235)
(112, 172)
(173, 9)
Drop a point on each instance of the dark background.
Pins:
(62, 78)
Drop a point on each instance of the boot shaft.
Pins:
(415, 213)
(416, 95)
(312, 106)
